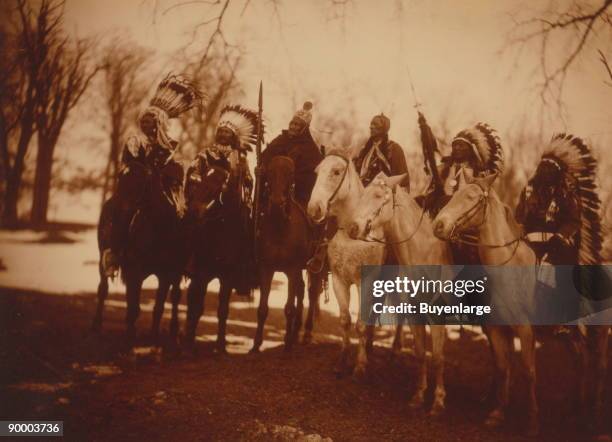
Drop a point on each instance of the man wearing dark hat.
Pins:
(380, 154)
(297, 143)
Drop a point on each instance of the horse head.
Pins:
(333, 184)
(376, 205)
(207, 190)
(467, 208)
(280, 178)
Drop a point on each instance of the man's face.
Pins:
(377, 128)
(462, 151)
(547, 175)
(296, 127)
(148, 126)
(224, 136)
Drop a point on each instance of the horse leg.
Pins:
(195, 308)
(158, 309)
(290, 309)
(265, 282)
(398, 341)
(579, 351)
(102, 295)
(527, 338)
(438, 338)
(133, 287)
(502, 345)
(222, 313)
(315, 283)
(175, 295)
(490, 396)
(299, 311)
(343, 297)
(419, 333)
(600, 363)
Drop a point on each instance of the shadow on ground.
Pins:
(53, 367)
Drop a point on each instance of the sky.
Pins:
(363, 64)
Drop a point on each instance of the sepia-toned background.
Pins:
(75, 74)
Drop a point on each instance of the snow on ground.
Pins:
(72, 268)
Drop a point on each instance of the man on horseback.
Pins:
(297, 143)
(559, 210)
(149, 152)
(380, 154)
(236, 132)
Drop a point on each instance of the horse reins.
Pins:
(471, 213)
(378, 211)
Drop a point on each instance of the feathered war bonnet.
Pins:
(242, 122)
(174, 96)
(574, 158)
(486, 146)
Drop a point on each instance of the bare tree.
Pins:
(66, 74)
(215, 75)
(25, 52)
(578, 24)
(123, 92)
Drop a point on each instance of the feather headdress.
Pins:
(176, 95)
(486, 145)
(242, 121)
(575, 159)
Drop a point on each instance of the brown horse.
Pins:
(285, 244)
(218, 241)
(155, 243)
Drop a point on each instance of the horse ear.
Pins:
(395, 180)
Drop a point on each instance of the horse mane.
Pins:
(343, 152)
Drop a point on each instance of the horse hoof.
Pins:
(359, 374)
(96, 326)
(436, 410)
(494, 419)
(254, 350)
(220, 349)
(416, 402)
(307, 339)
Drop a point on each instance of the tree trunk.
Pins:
(11, 198)
(42, 184)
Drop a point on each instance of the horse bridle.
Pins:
(344, 174)
(470, 214)
(376, 213)
(291, 191)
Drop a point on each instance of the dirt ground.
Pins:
(53, 367)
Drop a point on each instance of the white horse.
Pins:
(384, 204)
(336, 193)
(499, 243)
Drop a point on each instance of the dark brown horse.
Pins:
(155, 242)
(284, 245)
(219, 242)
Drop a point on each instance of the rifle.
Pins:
(256, 207)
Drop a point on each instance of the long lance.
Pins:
(256, 207)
